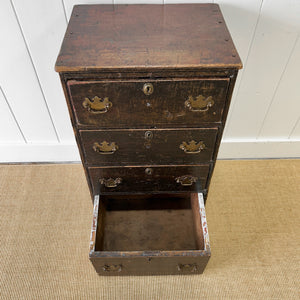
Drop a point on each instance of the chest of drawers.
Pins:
(148, 89)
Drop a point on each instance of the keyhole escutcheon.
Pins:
(148, 89)
(148, 135)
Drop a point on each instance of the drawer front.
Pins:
(159, 103)
(148, 179)
(133, 147)
(149, 265)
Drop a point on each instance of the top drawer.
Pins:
(148, 103)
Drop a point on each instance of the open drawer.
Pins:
(131, 236)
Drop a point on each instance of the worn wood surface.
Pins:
(146, 36)
(198, 229)
(140, 180)
(153, 241)
(134, 147)
(143, 93)
(146, 230)
(233, 78)
(166, 106)
(129, 107)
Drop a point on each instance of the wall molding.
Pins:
(68, 152)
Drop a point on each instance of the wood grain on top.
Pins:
(146, 36)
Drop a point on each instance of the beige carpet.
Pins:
(253, 213)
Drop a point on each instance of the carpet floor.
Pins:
(253, 213)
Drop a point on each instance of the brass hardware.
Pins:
(187, 267)
(97, 105)
(148, 171)
(148, 89)
(186, 180)
(201, 104)
(110, 182)
(192, 147)
(112, 268)
(105, 147)
(148, 135)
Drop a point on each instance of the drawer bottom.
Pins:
(156, 236)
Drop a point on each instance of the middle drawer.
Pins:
(159, 146)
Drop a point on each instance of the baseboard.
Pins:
(68, 152)
(239, 149)
(56, 152)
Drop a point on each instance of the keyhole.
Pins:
(148, 135)
(148, 88)
(148, 171)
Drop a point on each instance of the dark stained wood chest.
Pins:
(148, 89)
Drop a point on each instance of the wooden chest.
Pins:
(148, 89)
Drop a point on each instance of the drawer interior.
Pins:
(131, 225)
(155, 223)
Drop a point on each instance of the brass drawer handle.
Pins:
(105, 147)
(110, 182)
(97, 105)
(192, 147)
(187, 267)
(201, 104)
(186, 180)
(112, 268)
(148, 89)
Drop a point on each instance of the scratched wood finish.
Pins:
(146, 36)
(164, 107)
(133, 109)
(175, 245)
(134, 147)
(148, 179)
(132, 77)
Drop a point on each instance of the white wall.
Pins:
(264, 118)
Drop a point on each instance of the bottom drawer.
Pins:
(148, 179)
(161, 236)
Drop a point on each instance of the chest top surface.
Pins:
(119, 37)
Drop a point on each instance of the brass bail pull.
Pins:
(105, 147)
(192, 147)
(97, 105)
(110, 182)
(112, 268)
(187, 267)
(186, 180)
(200, 104)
